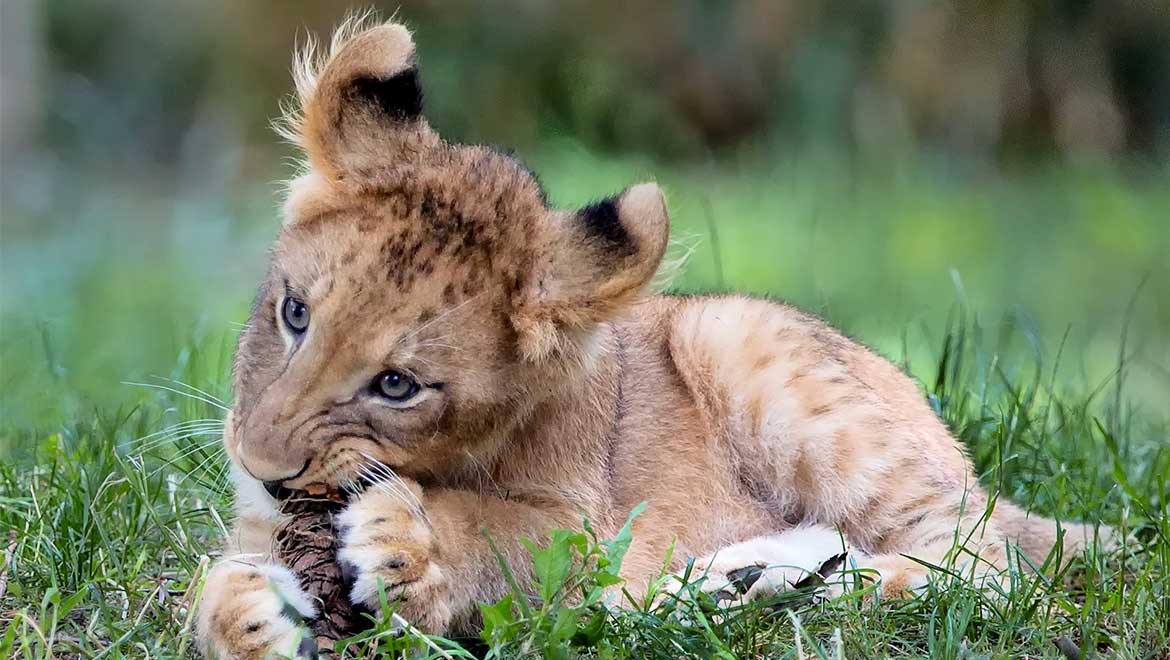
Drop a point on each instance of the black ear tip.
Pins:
(399, 96)
(602, 219)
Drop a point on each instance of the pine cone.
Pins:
(307, 544)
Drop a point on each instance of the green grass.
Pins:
(1018, 302)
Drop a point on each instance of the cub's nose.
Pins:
(277, 490)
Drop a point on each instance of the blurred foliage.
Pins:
(875, 162)
(117, 81)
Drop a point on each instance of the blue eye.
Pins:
(295, 314)
(395, 385)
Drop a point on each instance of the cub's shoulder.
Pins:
(738, 346)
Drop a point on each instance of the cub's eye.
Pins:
(395, 385)
(295, 314)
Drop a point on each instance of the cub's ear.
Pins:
(589, 265)
(362, 108)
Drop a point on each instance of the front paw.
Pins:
(251, 611)
(387, 544)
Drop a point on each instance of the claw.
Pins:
(307, 649)
(723, 595)
(291, 613)
(818, 577)
(349, 573)
(742, 579)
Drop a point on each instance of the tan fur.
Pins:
(554, 386)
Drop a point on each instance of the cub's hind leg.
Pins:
(820, 557)
(832, 434)
(766, 565)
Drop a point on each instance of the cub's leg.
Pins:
(765, 565)
(429, 553)
(388, 544)
(831, 434)
(254, 610)
(251, 606)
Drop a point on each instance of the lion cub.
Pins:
(430, 328)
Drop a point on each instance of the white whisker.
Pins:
(426, 361)
(195, 449)
(182, 426)
(431, 344)
(391, 474)
(180, 393)
(380, 482)
(213, 456)
(177, 441)
(194, 389)
(475, 461)
(437, 319)
(385, 487)
(219, 481)
(391, 483)
(171, 434)
(179, 427)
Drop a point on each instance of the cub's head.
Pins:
(422, 296)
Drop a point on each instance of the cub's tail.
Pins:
(1037, 535)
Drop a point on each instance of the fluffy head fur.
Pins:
(440, 261)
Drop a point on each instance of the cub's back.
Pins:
(763, 416)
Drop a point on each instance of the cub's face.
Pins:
(370, 342)
(422, 297)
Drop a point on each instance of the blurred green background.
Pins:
(881, 163)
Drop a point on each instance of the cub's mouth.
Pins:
(319, 491)
(339, 473)
(280, 492)
(380, 477)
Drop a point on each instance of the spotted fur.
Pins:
(550, 385)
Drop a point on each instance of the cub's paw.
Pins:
(387, 543)
(251, 611)
(767, 565)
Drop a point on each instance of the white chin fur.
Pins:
(251, 498)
